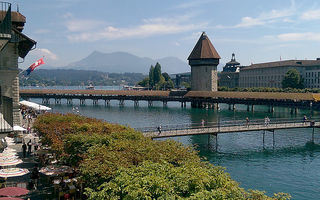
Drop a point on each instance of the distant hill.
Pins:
(120, 62)
(71, 77)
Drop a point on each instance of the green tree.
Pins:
(151, 76)
(145, 82)
(292, 79)
(157, 73)
(166, 76)
(166, 181)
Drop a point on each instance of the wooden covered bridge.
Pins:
(200, 99)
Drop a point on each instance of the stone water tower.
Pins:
(204, 60)
(13, 44)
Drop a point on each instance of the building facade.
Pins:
(229, 77)
(204, 60)
(271, 74)
(13, 44)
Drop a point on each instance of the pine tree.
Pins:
(151, 77)
(157, 73)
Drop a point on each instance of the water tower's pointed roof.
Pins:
(204, 49)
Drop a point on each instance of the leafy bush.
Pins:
(117, 162)
(165, 181)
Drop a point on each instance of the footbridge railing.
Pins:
(227, 126)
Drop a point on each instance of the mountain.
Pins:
(120, 62)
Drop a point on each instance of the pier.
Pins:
(197, 99)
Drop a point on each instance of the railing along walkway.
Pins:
(228, 127)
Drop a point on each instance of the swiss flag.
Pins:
(34, 65)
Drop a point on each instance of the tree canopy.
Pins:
(292, 79)
(118, 162)
(156, 79)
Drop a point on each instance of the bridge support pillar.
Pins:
(69, 101)
(233, 107)
(217, 106)
(95, 102)
(107, 102)
(229, 106)
(150, 103)
(46, 101)
(82, 102)
(252, 108)
(248, 108)
(57, 101)
(312, 139)
(273, 141)
(121, 102)
(263, 134)
(183, 104)
(271, 109)
(136, 103)
(216, 142)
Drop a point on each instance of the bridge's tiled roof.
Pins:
(99, 92)
(192, 94)
(253, 95)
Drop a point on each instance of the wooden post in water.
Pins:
(273, 137)
(312, 134)
(264, 131)
(216, 142)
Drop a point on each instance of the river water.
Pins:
(291, 166)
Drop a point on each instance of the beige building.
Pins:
(13, 44)
(204, 60)
(271, 74)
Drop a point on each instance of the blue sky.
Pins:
(255, 30)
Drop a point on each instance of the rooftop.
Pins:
(284, 63)
(204, 49)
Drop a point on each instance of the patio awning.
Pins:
(34, 106)
(18, 128)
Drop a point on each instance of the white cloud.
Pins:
(46, 53)
(149, 27)
(273, 16)
(266, 18)
(311, 15)
(308, 36)
(79, 25)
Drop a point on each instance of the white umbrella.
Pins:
(13, 172)
(8, 155)
(10, 162)
(55, 170)
(6, 150)
(18, 128)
